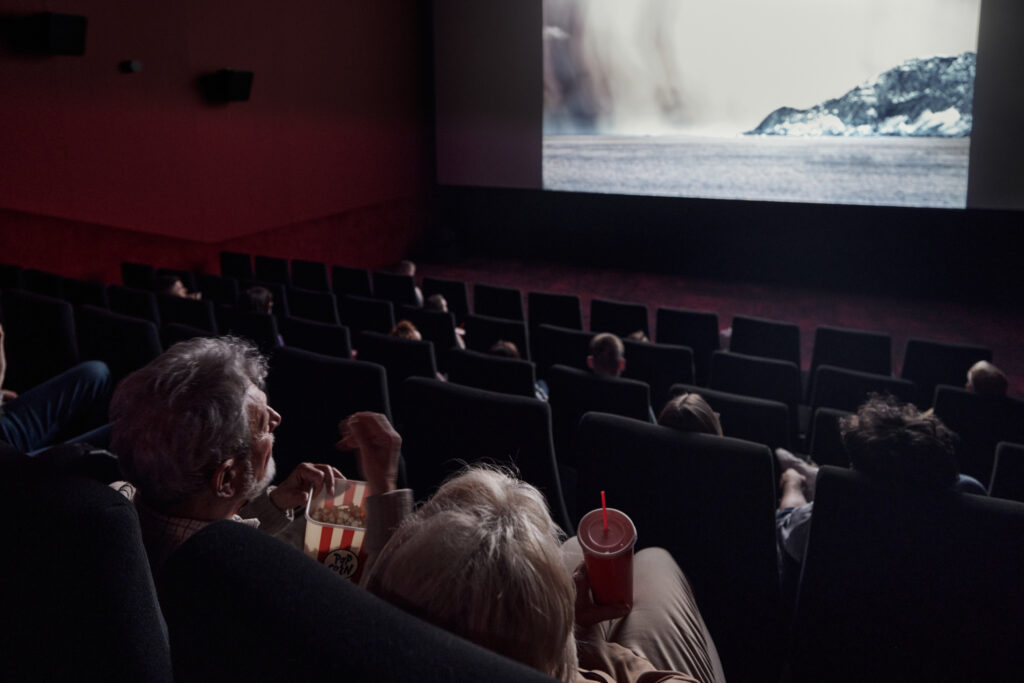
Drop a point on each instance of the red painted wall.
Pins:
(327, 160)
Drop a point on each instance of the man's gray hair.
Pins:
(177, 419)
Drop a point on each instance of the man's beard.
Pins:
(255, 488)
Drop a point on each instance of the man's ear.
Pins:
(622, 365)
(590, 362)
(226, 479)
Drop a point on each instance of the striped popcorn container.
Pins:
(335, 526)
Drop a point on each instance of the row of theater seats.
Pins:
(889, 581)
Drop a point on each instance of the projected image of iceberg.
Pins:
(833, 101)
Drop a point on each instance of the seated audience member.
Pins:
(507, 349)
(406, 330)
(483, 559)
(407, 267)
(639, 336)
(690, 413)
(886, 440)
(607, 355)
(194, 436)
(986, 379)
(169, 285)
(257, 299)
(437, 302)
(58, 410)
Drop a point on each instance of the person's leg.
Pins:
(62, 406)
(665, 625)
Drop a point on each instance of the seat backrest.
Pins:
(928, 363)
(309, 335)
(454, 292)
(311, 304)
(981, 422)
(124, 343)
(305, 622)
(43, 282)
(172, 333)
(744, 417)
(1008, 472)
(560, 310)
(398, 289)
(138, 275)
(76, 571)
(198, 314)
(11, 276)
(360, 313)
(765, 338)
(402, 358)
(347, 281)
(772, 379)
(236, 265)
(852, 349)
(826, 443)
(561, 346)
(696, 329)
(660, 366)
(138, 303)
(574, 392)
(498, 302)
(494, 373)
(40, 338)
(219, 289)
(483, 330)
(435, 326)
(448, 425)
(85, 293)
(310, 275)
(259, 328)
(618, 317)
(709, 501)
(278, 291)
(271, 269)
(187, 277)
(847, 389)
(902, 585)
(313, 392)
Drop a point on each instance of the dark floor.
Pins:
(998, 327)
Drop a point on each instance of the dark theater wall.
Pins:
(329, 159)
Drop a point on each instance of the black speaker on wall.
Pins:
(226, 85)
(45, 33)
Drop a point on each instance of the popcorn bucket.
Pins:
(335, 527)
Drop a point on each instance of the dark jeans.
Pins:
(71, 403)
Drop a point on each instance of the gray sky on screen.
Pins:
(732, 62)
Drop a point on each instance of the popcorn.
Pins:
(344, 515)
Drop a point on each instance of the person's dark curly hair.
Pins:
(893, 441)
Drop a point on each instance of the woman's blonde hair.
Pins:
(483, 560)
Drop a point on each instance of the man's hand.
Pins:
(588, 612)
(294, 491)
(378, 446)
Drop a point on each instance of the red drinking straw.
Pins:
(604, 511)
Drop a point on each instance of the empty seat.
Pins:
(574, 392)
(236, 265)
(11, 276)
(562, 346)
(124, 343)
(449, 425)
(271, 269)
(347, 281)
(765, 338)
(696, 329)
(618, 317)
(219, 289)
(483, 330)
(745, 417)
(402, 358)
(852, 349)
(310, 275)
(498, 302)
(493, 373)
(310, 304)
(309, 335)
(981, 422)
(825, 441)
(908, 585)
(191, 312)
(138, 303)
(560, 310)
(768, 378)
(85, 293)
(138, 275)
(259, 328)
(43, 282)
(709, 501)
(313, 392)
(398, 289)
(40, 338)
(454, 292)
(660, 366)
(848, 389)
(929, 363)
(172, 333)
(1008, 472)
(360, 313)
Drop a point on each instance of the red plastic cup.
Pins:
(608, 554)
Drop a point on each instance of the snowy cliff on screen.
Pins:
(920, 98)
